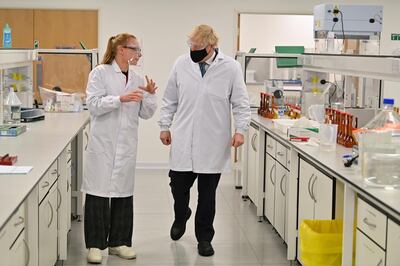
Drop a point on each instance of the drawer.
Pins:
(281, 154)
(372, 222)
(13, 227)
(47, 180)
(367, 252)
(393, 244)
(271, 146)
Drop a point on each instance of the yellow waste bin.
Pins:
(321, 242)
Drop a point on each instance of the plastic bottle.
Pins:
(12, 108)
(7, 40)
(379, 148)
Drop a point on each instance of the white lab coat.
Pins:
(111, 152)
(201, 108)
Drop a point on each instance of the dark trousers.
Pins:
(108, 222)
(181, 182)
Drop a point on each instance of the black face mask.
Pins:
(198, 55)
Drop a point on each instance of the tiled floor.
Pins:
(239, 239)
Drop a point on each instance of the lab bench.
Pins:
(291, 181)
(35, 208)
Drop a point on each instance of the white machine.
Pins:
(356, 21)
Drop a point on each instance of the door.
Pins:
(270, 181)
(48, 229)
(322, 188)
(280, 199)
(251, 167)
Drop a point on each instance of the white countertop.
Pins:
(331, 162)
(39, 147)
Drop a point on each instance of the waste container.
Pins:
(321, 242)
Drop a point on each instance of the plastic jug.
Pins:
(12, 108)
(7, 40)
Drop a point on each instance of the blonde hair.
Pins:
(113, 42)
(205, 34)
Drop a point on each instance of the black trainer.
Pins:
(178, 229)
(205, 248)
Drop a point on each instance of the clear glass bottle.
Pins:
(12, 108)
(379, 148)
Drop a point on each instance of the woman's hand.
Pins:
(150, 87)
(134, 96)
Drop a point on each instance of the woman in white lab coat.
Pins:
(116, 98)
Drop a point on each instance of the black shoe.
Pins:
(178, 229)
(205, 249)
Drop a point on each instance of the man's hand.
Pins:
(134, 96)
(165, 137)
(150, 87)
(237, 140)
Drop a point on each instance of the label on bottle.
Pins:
(16, 113)
(7, 39)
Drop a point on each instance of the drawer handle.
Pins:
(69, 151)
(28, 253)
(312, 189)
(68, 185)
(380, 262)
(54, 172)
(253, 139)
(52, 214)
(270, 174)
(280, 153)
(309, 186)
(283, 177)
(45, 184)
(87, 139)
(59, 194)
(270, 146)
(20, 221)
(365, 220)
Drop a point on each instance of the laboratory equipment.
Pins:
(352, 29)
(379, 148)
(7, 39)
(31, 115)
(12, 108)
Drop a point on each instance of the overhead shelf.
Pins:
(376, 67)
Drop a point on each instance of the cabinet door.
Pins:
(62, 205)
(321, 190)
(48, 229)
(270, 182)
(251, 167)
(18, 252)
(368, 253)
(306, 201)
(280, 199)
(393, 244)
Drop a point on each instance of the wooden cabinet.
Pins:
(21, 24)
(253, 164)
(393, 244)
(48, 228)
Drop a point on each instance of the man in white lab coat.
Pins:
(116, 98)
(203, 89)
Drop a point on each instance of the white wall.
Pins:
(273, 30)
(163, 26)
